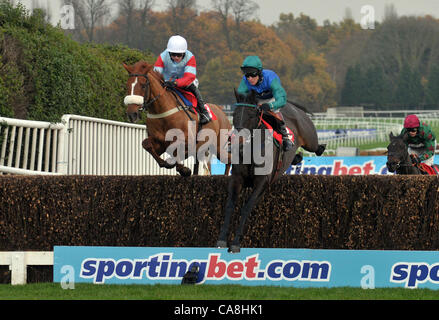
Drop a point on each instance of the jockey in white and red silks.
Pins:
(179, 69)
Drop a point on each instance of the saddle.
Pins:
(189, 101)
(271, 120)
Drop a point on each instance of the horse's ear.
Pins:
(127, 68)
(391, 136)
(148, 67)
(405, 137)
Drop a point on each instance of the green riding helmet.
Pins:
(252, 64)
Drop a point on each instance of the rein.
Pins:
(240, 104)
(276, 168)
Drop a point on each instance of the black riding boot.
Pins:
(204, 115)
(286, 142)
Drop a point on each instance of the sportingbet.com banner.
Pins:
(361, 165)
(278, 267)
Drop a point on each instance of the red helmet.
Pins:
(411, 121)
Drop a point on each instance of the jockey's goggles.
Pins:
(252, 74)
(176, 54)
(412, 129)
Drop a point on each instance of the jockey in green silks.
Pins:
(421, 140)
(271, 94)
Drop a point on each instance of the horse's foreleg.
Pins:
(182, 170)
(148, 146)
(234, 190)
(245, 211)
(196, 167)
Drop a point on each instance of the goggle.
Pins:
(251, 74)
(412, 129)
(176, 54)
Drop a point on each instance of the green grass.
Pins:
(53, 291)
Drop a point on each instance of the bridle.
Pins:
(259, 114)
(403, 163)
(147, 87)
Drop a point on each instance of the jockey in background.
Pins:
(421, 140)
(271, 94)
(179, 69)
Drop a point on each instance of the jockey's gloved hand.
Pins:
(415, 159)
(265, 107)
(170, 83)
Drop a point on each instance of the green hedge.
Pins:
(337, 212)
(45, 74)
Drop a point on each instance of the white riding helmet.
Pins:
(177, 44)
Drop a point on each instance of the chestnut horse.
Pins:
(146, 91)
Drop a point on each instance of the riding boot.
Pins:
(204, 115)
(287, 144)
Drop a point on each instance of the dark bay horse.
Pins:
(165, 114)
(256, 173)
(398, 158)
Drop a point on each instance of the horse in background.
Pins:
(254, 173)
(165, 111)
(400, 161)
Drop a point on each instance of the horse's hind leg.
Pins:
(320, 149)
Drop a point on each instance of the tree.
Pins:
(376, 90)
(353, 90)
(134, 23)
(221, 76)
(432, 90)
(224, 9)
(127, 9)
(240, 11)
(182, 13)
(409, 91)
(390, 12)
(91, 13)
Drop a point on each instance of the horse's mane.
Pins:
(149, 69)
(300, 107)
(156, 75)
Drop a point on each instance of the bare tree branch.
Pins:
(91, 13)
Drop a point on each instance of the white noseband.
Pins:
(133, 99)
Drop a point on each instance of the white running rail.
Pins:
(78, 145)
(19, 260)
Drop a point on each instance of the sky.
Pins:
(320, 10)
(334, 10)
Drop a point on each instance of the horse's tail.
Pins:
(300, 107)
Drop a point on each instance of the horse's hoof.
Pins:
(221, 244)
(297, 159)
(185, 172)
(321, 148)
(234, 248)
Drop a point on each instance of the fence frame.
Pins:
(78, 145)
(19, 260)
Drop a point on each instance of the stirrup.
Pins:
(204, 118)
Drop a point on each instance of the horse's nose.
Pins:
(390, 166)
(133, 116)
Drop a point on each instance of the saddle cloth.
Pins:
(276, 135)
(430, 170)
(190, 100)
